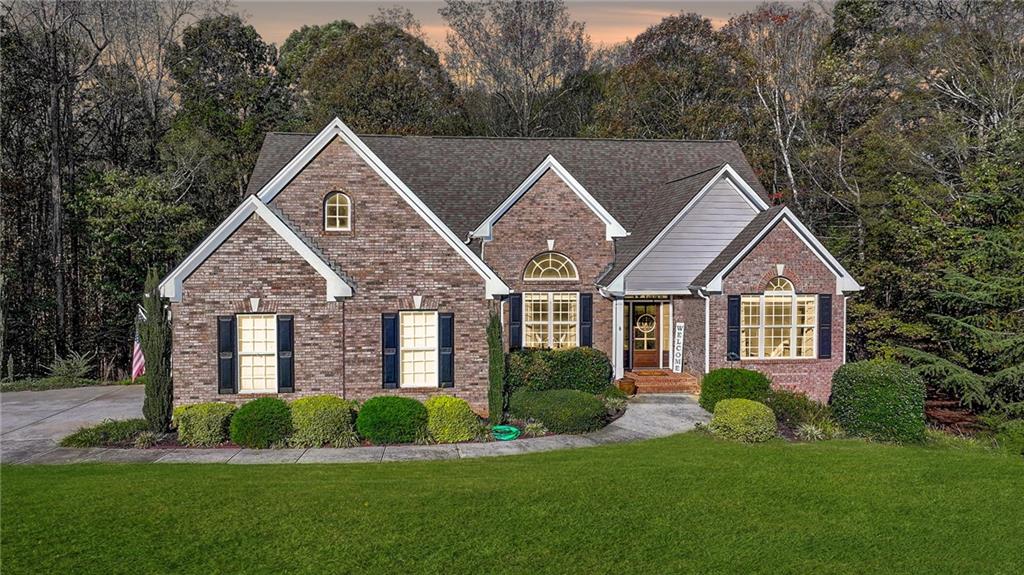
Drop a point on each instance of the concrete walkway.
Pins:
(33, 422)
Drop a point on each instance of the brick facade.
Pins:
(550, 210)
(391, 253)
(690, 310)
(809, 276)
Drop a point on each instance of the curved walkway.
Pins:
(32, 422)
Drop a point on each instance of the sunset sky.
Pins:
(607, 22)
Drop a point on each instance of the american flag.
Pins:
(138, 360)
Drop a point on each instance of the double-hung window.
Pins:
(257, 353)
(551, 319)
(419, 353)
(778, 323)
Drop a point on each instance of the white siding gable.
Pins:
(690, 245)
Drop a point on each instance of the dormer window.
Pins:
(337, 212)
(551, 266)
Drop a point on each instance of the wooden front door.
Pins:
(645, 329)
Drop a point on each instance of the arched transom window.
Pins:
(550, 266)
(337, 212)
(778, 323)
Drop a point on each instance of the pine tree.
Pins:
(156, 345)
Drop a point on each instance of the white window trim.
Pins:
(239, 353)
(348, 201)
(551, 315)
(436, 349)
(575, 271)
(794, 327)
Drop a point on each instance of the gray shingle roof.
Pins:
(642, 183)
(741, 241)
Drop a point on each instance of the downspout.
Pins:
(707, 329)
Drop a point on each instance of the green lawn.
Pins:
(682, 504)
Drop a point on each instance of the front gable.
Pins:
(551, 166)
(337, 160)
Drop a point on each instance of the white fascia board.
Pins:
(336, 128)
(739, 184)
(612, 228)
(844, 281)
(171, 286)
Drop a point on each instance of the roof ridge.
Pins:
(528, 138)
(697, 173)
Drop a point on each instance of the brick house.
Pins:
(369, 265)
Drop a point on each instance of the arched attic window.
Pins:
(337, 212)
(551, 266)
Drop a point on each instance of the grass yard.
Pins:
(687, 503)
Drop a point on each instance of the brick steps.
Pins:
(663, 382)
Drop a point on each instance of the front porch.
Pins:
(662, 381)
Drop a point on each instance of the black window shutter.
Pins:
(226, 381)
(824, 326)
(389, 349)
(515, 321)
(586, 320)
(285, 354)
(733, 332)
(446, 349)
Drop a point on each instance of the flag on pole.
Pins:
(138, 359)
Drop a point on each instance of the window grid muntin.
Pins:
(551, 319)
(550, 266)
(418, 348)
(257, 353)
(337, 212)
(785, 326)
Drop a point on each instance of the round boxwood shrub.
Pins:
(560, 410)
(733, 383)
(323, 419)
(203, 424)
(261, 423)
(392, 419)
(581, 368)
(880, 400)
(527, 369)
(743, 420)
(451, 420)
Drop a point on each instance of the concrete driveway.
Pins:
(31, 421)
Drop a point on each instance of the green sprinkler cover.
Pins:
(505, 432)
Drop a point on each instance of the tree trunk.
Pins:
(57, 191)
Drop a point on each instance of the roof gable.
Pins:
(712, 276)
(337, 285)
(337, 129)
(613, 229)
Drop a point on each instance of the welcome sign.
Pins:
(677, 348)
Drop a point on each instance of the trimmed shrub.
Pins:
(110, 433)
(794, 408)
(392, 419)
(323, 419)
(880, 400)
(581, 368)
(560, 410)
(733, 383)
(451, 420)
(261, 423)
(743, 420)
(203, 424)
(527, 369)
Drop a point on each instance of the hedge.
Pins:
(743, 420)
(261, 423)
(451, 420)
(581, 368)
(879, 399)
(203, 424)
(733, 383)
(323, 419)
(560, 410)
(392, 419)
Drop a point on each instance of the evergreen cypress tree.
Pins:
(154, 332)
(496, 371)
